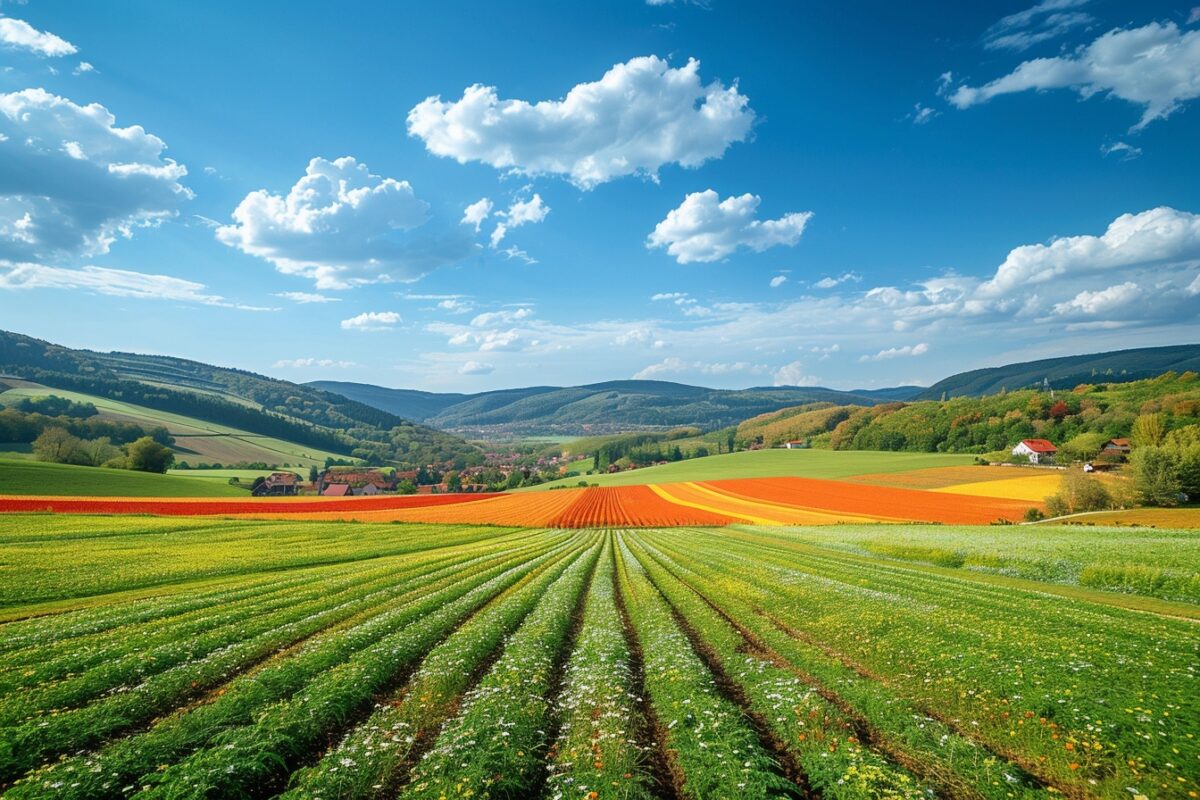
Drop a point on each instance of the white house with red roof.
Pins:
(1036, 450)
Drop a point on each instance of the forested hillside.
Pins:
(1069, 371)
(240, 399)
(1086, 414)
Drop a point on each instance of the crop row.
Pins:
(1081, 697)
(370, 758)
(239, 700)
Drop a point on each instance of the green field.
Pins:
(772, 464)
(196, 441)
(188, 658)
(25, 477)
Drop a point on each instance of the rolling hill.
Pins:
(307, 416)
(608, 407)
(1118, 366)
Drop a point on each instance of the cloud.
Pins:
(301, 363)
(455, 306)
(669, 296)
(372, 321)
(504, 317)
(793, 374)
(921, 114)
(476, 213)
(829, 282)
(1194, 15)
(1155, 66)
(513, 251)
(476, 368)
(1100, 302)
(1158, 235)
(83, 67)
(73, 181)
(339, 226)
(521, 212)
(307, 297)
(705, 228)
(906, 351)
(20, 35)
(1126, 152)
(675, 366)
(778, 280)
(634, 336)
(640, 116)
(1042, 22)
(112, 282)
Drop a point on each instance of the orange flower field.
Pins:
(756, 501)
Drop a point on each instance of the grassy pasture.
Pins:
(26, 477)
(772, 464)
(215, 658)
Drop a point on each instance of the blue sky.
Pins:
(459, 196)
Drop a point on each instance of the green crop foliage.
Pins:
(205, 658)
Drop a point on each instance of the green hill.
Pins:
(1118, 366)
(303, 415)
(38, 478)
(610, 407)
(1081, 417)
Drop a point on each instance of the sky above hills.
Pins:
(462, 196)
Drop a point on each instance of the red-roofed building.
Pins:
(336, 490)
(1036, 450)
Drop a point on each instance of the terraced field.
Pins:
(201, 658)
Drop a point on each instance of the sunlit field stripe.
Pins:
(496, 746)
(597, 750)
(369, 759)
(807, 728)
(129, 758)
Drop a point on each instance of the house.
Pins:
(278, 484)
(1036, 450)
(336, 490)
(366, 490)
(1115, 450)
(796, 444)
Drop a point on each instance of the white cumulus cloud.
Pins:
(339, 225)
(898, 352)
(793, 374)
(73, 182)
(1160, 234)
(640, 116)
(477, 212)
(1156, 66)
(778, 280)
(19, 34)
(372, 321)
(705, 228)
(1100, 302)
(476, 368)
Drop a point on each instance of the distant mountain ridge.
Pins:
(610, 406)
(1117, 366)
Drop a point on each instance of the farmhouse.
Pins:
(796, 444)
(1037, 450)
(337, 490)
(1115, 450)
(276, 484)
